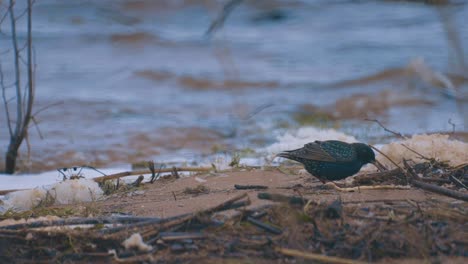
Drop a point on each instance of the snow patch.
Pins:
(66, 192)
(436, 146)
(23, 200)
(136, 241)
(72, 191)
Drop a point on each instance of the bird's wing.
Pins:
(312, 151)
(341, 151)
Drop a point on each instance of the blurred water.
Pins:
(92, 57)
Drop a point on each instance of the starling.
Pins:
(331, 160)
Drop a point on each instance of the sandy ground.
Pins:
(170, 197)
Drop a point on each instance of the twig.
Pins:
(46, 107)
(249, 187)
(138, 181)
(457, 182)
(386, 129)
(175, 173)
(394, 163)
(452, 124)
(440, 190)
(316, 257)
(19, 104)
(5, 102)
(437, 180)
(434, 188)
(264, 226)
(153, 172)
(173, 236)
(130, 173)
(219, 21)
(374, 187)
(417, 153)
(36, 125)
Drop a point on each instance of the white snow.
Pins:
(135, 241)
(66, 192)
(38, 185)
(71, 191)
(28, 181)
(23, 200)
(436, 146)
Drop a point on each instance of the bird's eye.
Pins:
(75, 168)
(64, 169)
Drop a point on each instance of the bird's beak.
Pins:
(379, 165)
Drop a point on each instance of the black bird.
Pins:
(332, 160)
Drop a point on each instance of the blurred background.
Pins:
(123, 81)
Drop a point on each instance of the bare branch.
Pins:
(46, 107)
(5, 102)
(386, 129)
(219, 21)
(452, 124)
(24, 100)
(19, 114)
(36, 125)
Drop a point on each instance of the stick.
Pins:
(317, 257)
(386, 129)
(219, 21)
(440, 190)
(264, 226)
(457, 182)
(171, 236)
(248, 187)
(434, 188)
(375, 187)
(394, 163)
(130, 173)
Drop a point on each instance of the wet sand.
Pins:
(169, 198)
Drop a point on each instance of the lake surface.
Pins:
(128, 81)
